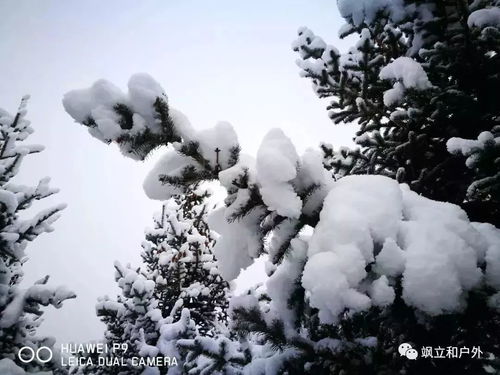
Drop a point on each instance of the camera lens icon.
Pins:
(27, 354)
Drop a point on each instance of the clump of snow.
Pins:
(329, 289)
(239, 243)
(281, 284)
(431, 244)
(114, 116)
(246, 163)
(8, 200)
(484, 17)
(395, 95)
(474, 149)
(215, 146)
(170, 333)
(355, 213)
(442, 250)
(277, 163)
(170, 164)
(408, 71)
(408, 74)
(381, 293)
(217, 142)
(365, 11)
(312, 173)
(468, 147)
(391, 259)
(143, 91)
(307, 44)
(102, 94)
(492, 255)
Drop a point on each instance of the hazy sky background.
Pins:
(217, 60)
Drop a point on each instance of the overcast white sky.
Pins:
(217, 60)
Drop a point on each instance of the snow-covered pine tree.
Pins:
(21, 308)
(135, 311)
(135, 321)
(179, 285)
(421, 73)
(132, 320)
(178, 256)
(383, 266)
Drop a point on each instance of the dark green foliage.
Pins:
(178, 257)
(407, 140)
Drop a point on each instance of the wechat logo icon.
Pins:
(406, 350)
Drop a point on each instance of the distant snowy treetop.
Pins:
(408, 74)
(408, 71)
(484, 17)
(365, 11)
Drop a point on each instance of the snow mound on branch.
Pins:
(381, 292)
(277, 163)
(492, 255)
(371, 220)
(390, 261)
(80, 103)
(307, 44)
(289, 185)
(239, 243)
(408, 74)
(216, 147)
(330, 287)
(126, 118)
(217, 142)
(408, 71)
(395, 95)
(39, 293)
(143, 91)
(484, 17)
(9, 201)
(170, 164)
(365, 11)
(281, 283)
(171, 332)
(357, 212)
(468, 147)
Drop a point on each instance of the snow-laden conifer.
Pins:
(21, 308)
(420, 73)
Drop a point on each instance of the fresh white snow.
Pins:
(484, 17)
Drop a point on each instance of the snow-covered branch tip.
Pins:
(142, 120)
